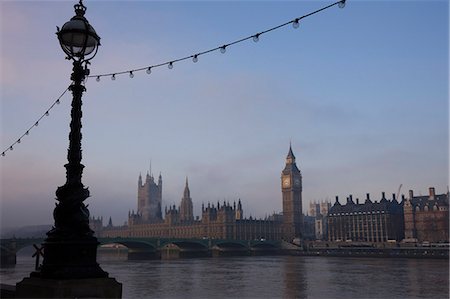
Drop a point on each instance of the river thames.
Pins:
(270, 277)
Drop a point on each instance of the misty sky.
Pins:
(361, 92)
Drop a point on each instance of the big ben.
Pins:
(291, 188)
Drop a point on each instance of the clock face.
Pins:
(286, 181)
(297, 182)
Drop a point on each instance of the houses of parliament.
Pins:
(218, 220)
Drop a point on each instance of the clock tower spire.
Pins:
(291, 189)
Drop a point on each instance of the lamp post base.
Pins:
(75, 258)
(36, 287)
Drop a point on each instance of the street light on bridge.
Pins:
(70, 267)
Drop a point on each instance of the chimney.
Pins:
(357, 201)
(382, 195)
(432, 193)
(393, 197)
(351, 198)
(368, 196)
(403, 197)
(411, 194)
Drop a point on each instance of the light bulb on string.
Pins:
(131, 74)
(27, 133)
(11, 148)
(255, 38)
(46, 113)
(36, 124)
(149, 70)
(3, 154)
(113, 77)
(18, 140)
(98, 79)
(57, 102)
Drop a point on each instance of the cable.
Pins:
(222, 49)
(27, 132)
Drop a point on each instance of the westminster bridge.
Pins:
(155, 248)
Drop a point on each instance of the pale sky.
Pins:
(362, 93)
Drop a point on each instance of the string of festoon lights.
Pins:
(36, 123)
(223, 48)
(255, 37)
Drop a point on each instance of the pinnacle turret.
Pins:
(187, 192)
(290, 158)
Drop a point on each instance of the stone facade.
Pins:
(319, 210)
(291, 189)
(426, 217)
(149, 200)
(186, 206)
(367, 222)
(220, 221)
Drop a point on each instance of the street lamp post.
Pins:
(70, 268)
(70, 249)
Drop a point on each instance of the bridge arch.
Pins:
(137, 249)
(230, 248)
(263, 247)
(170, 249)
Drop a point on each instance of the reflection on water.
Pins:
(270, 277)
(294, 276)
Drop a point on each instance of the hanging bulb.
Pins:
(223, 49)
(57, 102)
(295, 24)
(341, 4)
(170, 65)
(46, 113)
(18, 140)
(27, 133)
(256, 38)
(149, 70)
(98, 79)
(36, 123)
(195, 58)
(113, 77)
(11, 148)
(3, 154)
(131, 74)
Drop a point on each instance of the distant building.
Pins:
(309, 227)
(220, 221)
(426, 217)
(96, 224)
(291, 189)
(149, 200)
(319, 210)
(368, 222)
(186, 206)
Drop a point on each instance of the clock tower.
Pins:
(291, 189)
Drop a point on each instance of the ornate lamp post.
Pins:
(70, 250)
(70, 268)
